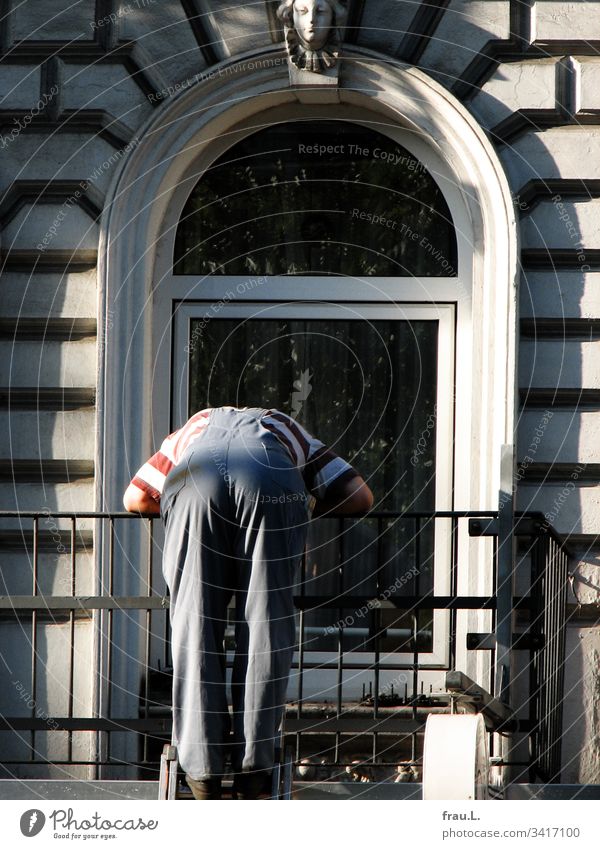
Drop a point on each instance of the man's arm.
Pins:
(350, 496)
(136, 500)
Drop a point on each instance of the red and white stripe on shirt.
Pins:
(151, 476)
(319, 466)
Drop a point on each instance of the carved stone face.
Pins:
(312, 21)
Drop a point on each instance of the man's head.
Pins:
(313, 20)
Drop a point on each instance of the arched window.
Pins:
(380, 307)
(273, 245)
(317, 199)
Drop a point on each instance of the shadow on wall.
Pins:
(546, 362)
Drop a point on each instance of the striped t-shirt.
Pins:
(319, 465)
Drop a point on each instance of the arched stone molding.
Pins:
(214, 105)
(137, 208)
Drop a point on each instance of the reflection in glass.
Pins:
(325, 198)
(368, 390)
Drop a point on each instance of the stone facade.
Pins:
(79, 82)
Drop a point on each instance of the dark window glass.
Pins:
(368, 390)
(316, 199)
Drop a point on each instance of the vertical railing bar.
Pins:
(548, 660)
(340, 646)
(534, 657)
(148, 618)
(302, 636)
(494, 612)
(563, 635)
(543, 704)
(453, 590)
(505, 576)
(553, 663)
(300, 664)
(536, 606)
(545, 665)
(551, 653)
(551, 670)
(377, 619)
(111, 574)
(556, 659)
(99, 626)
(35, 588)
(166, 638)
(415, 623)
(559, 665)
(340, 583)
(72, 635)
(34, 631)
(563, 626)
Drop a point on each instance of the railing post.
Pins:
(504, 575)
(504, 595)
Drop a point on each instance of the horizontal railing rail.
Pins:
(40, 535)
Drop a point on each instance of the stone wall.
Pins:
(78, 80)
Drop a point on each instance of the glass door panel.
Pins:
(352, 202)
(368, 386)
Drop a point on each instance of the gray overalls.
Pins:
(235, 513)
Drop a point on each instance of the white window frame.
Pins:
(180, 298)
(444, 316)
(172, 291)
(145, 199)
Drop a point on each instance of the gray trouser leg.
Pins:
(199, 573)
(235, 521)
(265, 634)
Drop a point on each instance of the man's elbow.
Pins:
(130, 500)
(135, 500)
(359, 498)
(363, 499)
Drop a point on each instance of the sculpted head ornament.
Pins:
(313, 32)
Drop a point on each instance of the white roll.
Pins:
(455, 757)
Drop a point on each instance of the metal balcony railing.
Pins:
(87, 684)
